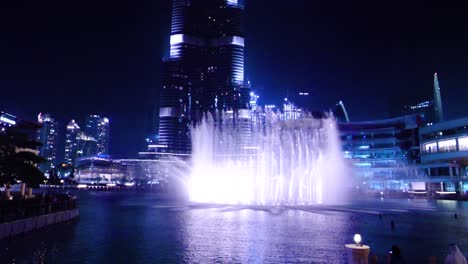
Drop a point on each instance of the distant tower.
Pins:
(72, 142)
(47, 135)
(438, 100)
(97, 127)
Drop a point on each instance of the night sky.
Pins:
(73, 58)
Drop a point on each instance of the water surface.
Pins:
(131, 227)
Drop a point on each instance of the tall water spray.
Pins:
(292, 162)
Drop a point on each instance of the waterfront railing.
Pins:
(21, 208)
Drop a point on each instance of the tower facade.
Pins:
(97, 127)
(72, 142)
(47, 135)
(205, 69)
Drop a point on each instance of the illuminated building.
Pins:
(87, 145)
(7, 120)
(253, 100)
(290, 111)
(444, 157)
(98, 128)
(98, 170)
(47, 135)
(204, 71)
(72, 142)
(103, 170)
(444, 148)
(425, 109)
(384, 153)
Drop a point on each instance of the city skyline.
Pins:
(332, 60)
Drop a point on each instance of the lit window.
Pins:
(463, 144)
(447, 145)
(430, 147)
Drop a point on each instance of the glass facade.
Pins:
(72, 142)
(447, 145)
(205, 68)
(444, 148)
(463, 143)
(47, 135)
(94, 140)
(98, 128)
(449, 136)
(383, 152)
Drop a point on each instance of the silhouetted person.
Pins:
(455, 256)
(380, 216)
(392, 225)
(455, 216)
(395, 256)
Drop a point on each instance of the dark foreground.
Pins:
(129, 227)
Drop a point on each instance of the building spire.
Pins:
(437, 100)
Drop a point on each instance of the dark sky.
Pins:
(73, 58)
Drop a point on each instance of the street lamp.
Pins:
(357, 239)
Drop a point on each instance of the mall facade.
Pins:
(403, 154)
(444, 157)
(384, 153)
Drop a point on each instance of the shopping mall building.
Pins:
(404, 154)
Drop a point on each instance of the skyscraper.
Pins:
(205, 69)
(47, 135)
(72, 142)
(98, 128)
(87, 145)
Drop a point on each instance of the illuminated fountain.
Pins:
(292, 162)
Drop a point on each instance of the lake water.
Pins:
(131, 227)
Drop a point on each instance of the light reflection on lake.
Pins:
(144, 228)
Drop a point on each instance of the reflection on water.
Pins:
(451, 205)
(247, 236)
(143, 228)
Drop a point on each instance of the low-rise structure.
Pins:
(444, 156)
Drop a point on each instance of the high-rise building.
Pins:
(98, 128)
(47, 135)
(72, 142)
(205, 69)
(290, 110)
(87, 145)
